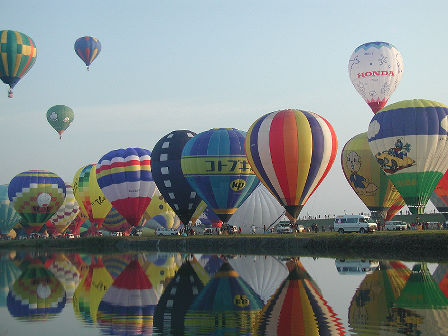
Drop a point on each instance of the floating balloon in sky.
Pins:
(87, 48)
(89, 196)
(36, 195)
(124, 176)
(214, 164)
(291, 152)
(375, 69)
(167, 173)
(8, 215)
(60, 118)
(17, 56)
(408, 139)
(366, 177)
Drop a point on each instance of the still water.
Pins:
(178, 294)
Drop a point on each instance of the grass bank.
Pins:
(431, 246)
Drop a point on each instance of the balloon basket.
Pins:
(10, 94)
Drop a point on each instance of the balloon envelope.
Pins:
(125, 178)
(60, 117)
(67, 212)
(375, 69)
(87, 48)
(89, 196)
(439, 196)
(8, 215)
(18, 54)
(366, 177)
(291, 152)
(36, 195)
(167, 173)
(408, 139)
(215, 165)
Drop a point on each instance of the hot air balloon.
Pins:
(36, 295)
(90, 292)
(439, 196)
(125, 178)
(9, 273)
(167, 173)
(75, 225)
(8, 216)
(128, 306)
(18, 54)
(177, 298)
(160, 271)
(261, 209)
(67, 212)
(421, 308)
(36, 195)
(408, 140)
(366, 177)
(116, 263)
(371, 305)
(291, 152)
(375, 69)
(157, 206)
(398, 204)
(227, 305)
(89, 196)
(298, 308)
(60, 117)
(115, 222)
(214, 164)
(66, 273)
(264, 274)
(87, 48)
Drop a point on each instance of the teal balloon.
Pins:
(9, 273)
(8, 216)
(215, 165)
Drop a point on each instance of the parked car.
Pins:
(282, 228)
(166, 232)
(208, 231)
(116, 234)
(395, 225)
(354, 223)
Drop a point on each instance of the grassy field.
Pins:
(431, 245)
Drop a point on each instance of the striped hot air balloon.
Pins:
(291, 152)
(36, 195)
(124, 176)
(17, 56)
(128, 305)
(87, 48)
(408, 139)
(214, 164)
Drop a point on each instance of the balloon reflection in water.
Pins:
(36, 295)
(116, 263)
(66, 273)
(177, 297)
(128, 306)
(440, 276)
(371, 305)
(226, 306)
(422, 308)
(90, 291)
(298, 308)
(211, 264)
(263, 274)
(160, 270)
(9, 272)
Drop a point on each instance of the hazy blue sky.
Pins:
(200, 64)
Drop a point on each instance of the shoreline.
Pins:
(431, 245)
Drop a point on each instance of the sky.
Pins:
(201, 64)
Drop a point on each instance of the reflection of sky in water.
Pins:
(337, 289)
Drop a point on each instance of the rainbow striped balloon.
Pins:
(124, 176)
(291, 152)
(36, 195)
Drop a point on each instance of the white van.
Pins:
(355, 266)
(354, 223)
